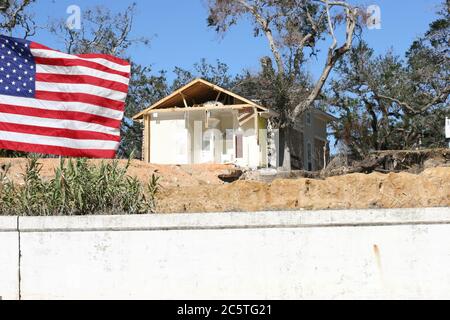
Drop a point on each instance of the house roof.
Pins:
(325, 115)
(197, 91)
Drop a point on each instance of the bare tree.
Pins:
(101, 32)
(291, 27)
(14, 17)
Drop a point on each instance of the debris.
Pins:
(232, 176)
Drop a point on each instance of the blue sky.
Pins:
(180, 36)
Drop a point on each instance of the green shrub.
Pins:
(78, 188)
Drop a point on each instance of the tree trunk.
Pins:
(284, 151)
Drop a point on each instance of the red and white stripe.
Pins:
(77, 110)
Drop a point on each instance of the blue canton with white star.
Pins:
(17, 68)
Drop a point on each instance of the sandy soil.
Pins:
(171, 176)
(355, 191)
(197, 188)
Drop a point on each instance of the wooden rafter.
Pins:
(184, 100)
(194, 82)
(218, 96)
(246, 115)
(194, 109)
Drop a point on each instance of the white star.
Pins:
(14, 71)
(26, 45)
(26, 61)
(3, 57)
(31, 79)
(8, 64)
(15, 59)
(1, 69)
(3, 45)
(30, 91)
(31, 67)
(7, 41)
(13, 83)
(1, 80)
(25, 84)
(9, 52)
(7, 75)
(26, 72)
(20, 66)
(6, 88)
(16, 43)
(20, 78)
(18, 89)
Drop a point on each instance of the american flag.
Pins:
(61, 104)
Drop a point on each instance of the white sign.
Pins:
(447, 128)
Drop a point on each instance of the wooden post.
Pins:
(146, 139)
(256, 124)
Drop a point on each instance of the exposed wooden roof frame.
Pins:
(212, 86)
(184, 100)
(196, 109)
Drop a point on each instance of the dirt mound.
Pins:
(171, 176)
(197, 188)
(355, 191)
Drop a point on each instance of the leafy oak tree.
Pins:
(386, 102)
(145, 89)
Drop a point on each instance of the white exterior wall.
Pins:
(173, 140)
(317, 129)
(252, 153)
(348, 254)
(169, 139)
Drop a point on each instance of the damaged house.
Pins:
(204, 123)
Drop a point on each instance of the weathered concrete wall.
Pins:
(9, 259)
(287, 255)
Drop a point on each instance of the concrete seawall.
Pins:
(402, 253)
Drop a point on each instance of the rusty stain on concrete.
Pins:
(376, 250)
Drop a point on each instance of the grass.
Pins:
(78, 188)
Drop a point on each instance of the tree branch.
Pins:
(264, 23)
(440, 98)
(333, 54)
